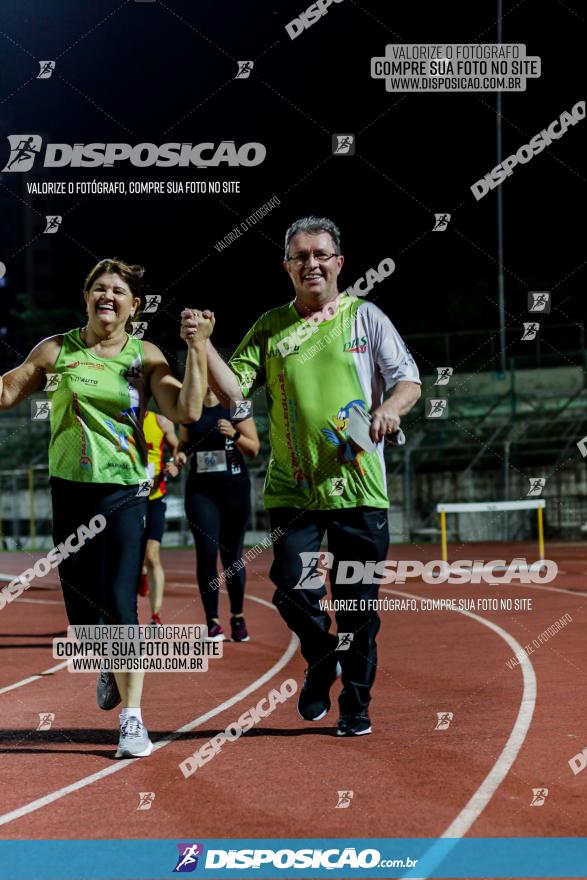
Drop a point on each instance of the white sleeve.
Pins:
(389, 352)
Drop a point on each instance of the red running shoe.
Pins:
(155, 620)
(143, 589)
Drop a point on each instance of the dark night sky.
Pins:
(161, 72)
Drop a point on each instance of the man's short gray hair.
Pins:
(313, 225)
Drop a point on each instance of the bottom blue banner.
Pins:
(386, 858)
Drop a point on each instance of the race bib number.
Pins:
(211, 462)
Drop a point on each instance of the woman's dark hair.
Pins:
(130, 274)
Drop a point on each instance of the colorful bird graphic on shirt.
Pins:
(348, 451)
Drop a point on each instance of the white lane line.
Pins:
(479, 800)
(18, 684)
(47, 799)
(42, 601)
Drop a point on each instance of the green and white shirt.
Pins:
(313, 373)
(97, 412)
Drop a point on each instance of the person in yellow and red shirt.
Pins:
(159, 434)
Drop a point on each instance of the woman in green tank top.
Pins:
(99, 379)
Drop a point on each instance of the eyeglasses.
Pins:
(320, 256)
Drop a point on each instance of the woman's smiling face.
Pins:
(110, 301)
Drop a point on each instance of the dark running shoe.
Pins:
(353, 725)
(238, 630)
(314, 699)
(107, 694)
(215, 633)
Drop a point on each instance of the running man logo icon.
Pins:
(441, 222)
(53, 223)
(187, 861)
(46, 69)
(344, 641)
(152, 302)
(134, 370)
(144, 489)
(539, 301)
(536, 486)
(344, 800)
(436, 408)
(244, 69)
(343, 145)
(53, 380)
(444, 719)
(539, 795)
(241, 409)
(314, 569)
(146, 799)
(444, 374)
(46, 719)
(530, 331)
(23, 150)
(246, 379)
(338, 484)
(139, 328)
(40, 410)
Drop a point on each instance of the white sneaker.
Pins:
(134, 740)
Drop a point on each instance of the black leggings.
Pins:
(99, 581)
(218, 518)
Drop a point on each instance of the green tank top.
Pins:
(97, 412)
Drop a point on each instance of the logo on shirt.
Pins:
(283, 348)
(358, 345)
(74, 364)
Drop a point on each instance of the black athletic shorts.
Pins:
(156, 519)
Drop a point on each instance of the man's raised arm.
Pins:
(221, 378)
(245, 372)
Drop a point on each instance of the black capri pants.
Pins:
(99, 580)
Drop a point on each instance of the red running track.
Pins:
(281, 779)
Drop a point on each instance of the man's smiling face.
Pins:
(312, 268)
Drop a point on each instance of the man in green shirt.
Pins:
(319, 357)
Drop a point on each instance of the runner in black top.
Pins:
(218, 504)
